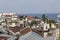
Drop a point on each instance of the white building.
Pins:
(58, 18)
(10, 18)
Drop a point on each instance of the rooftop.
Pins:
(34, 36)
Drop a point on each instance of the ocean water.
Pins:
(51, 16)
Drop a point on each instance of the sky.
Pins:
(30, 6)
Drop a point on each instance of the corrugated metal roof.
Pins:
(35, 36)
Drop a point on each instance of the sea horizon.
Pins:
(51, 16)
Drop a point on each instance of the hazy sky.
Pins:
(30, 6)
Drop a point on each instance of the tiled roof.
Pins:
(24, 31)
(3, 38)
(29, 17)
(40, 32)
(15, 29)
(8, 15)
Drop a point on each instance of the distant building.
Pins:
(29, 18)
(58, 18)
(9, 19)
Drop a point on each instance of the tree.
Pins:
(32, 23)
(35, 17)
(44, 18)
(50, 22)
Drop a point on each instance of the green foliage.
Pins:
(44, 18)
(32, 23)
(50, 22)
(35, 17)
